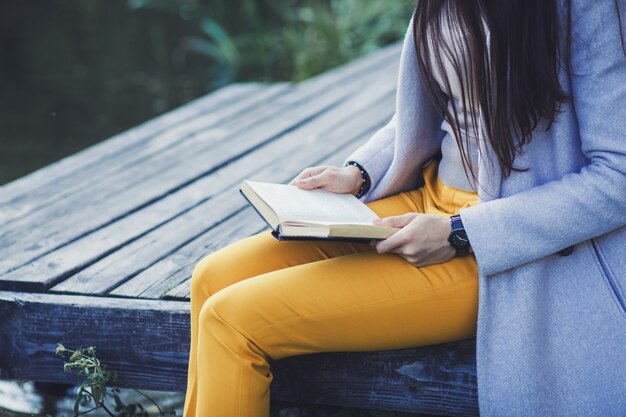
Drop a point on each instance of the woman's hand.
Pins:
(422, 239)
(338, 180)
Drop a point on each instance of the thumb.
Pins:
(395, 221)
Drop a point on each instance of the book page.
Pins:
(292, 203)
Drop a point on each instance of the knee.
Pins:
(211, 274)
(218, 315)
(224, 323)
(200, 278)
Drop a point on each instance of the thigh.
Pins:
(262, 253)
(359, 302)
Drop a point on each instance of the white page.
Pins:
(293, 203)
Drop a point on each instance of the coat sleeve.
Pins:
(510, 231)
(394, 154)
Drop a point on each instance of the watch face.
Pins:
(458, 239)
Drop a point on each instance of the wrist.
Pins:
(357, 181)
(365, 181)
(458, 237)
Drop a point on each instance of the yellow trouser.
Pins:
(260, 298)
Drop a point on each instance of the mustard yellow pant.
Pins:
(259, 299)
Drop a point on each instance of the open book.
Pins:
(295, 213)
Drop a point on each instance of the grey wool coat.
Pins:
(551, 330)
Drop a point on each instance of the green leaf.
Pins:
(221, 39)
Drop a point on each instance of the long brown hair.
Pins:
(514, 80)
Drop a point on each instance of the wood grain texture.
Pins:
(369, 111)
(436, 379)
(133, 258)
(186, 258)
(167, 273)
(142, 185)
(98, 174)
(124, 190)
(96, 160)
(146, 342)
(368, 108)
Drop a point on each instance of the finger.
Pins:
(306, 174)
(393, 242)
(395, 221)
(312, 182)
(312, 171)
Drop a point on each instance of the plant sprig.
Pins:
(92, 388)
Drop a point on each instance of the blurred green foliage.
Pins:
(75, 72)
(285, 39)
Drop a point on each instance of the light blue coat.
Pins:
(551, 331)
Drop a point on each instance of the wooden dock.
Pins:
(98, 248)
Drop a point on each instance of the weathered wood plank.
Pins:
(168, 277)
(73, 165)
(177, 277)
(32, 185)
(147, 342)
(165, 274)
(163, 175)
(323, 135)
(135, 257)
(437, 379)
(117, 194)
(183, 290)
(185, 127)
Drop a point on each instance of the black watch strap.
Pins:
(458, 237)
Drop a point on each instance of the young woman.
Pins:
(504, 165)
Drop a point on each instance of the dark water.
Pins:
(75, 72)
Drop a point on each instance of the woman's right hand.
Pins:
(338, 180)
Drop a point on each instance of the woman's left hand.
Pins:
(422, 239)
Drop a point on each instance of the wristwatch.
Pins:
(458, 237)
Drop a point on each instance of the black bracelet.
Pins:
(366, 182)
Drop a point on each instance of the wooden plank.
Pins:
(169, 276)
(170, 271)
(147, 342)
(51, 268)
(74, 164)
(181, 291)
(175, 270)
(163, 175)
(134, 152)
(34, 185)
(136, 256)
(435, 380)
